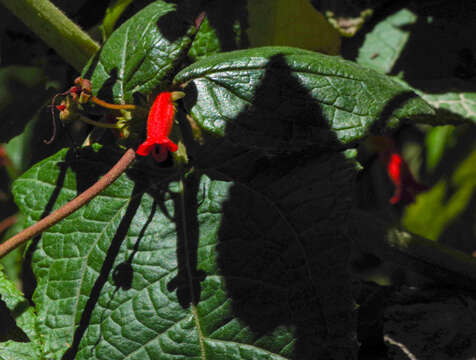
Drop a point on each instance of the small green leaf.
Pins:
(141, 54)
(25, 317)
(206, 42)
(279, 98)
(384, 44)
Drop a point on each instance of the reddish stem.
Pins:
(79, 201)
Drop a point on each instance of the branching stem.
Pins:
(70, 207)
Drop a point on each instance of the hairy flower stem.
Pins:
(70, 207)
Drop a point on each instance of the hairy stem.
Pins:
(70, 207)
(429, 258)
(56, 29)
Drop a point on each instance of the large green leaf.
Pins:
(164, 266)
(141, 54)
(279, 99)
(25, 342)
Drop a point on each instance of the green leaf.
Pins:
(384, 44)
(22, 91)
(141, 54)
(455, 107)
(206, 42)
(25, 318)
(160, 266)
(279, 98)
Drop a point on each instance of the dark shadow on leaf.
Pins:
(123, 273)
(281, 248)
(380, 124)
(175, 24)
(106, 269)
(187, 281)
(9, 329)
(282, 245)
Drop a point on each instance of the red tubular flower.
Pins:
(159, 125)
(406, 187)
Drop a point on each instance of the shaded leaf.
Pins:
(280, 99)
(141, 54)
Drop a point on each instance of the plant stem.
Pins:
(429, 258)
(97, 123)
(70, 207)
(56, 29)
(107, 105)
